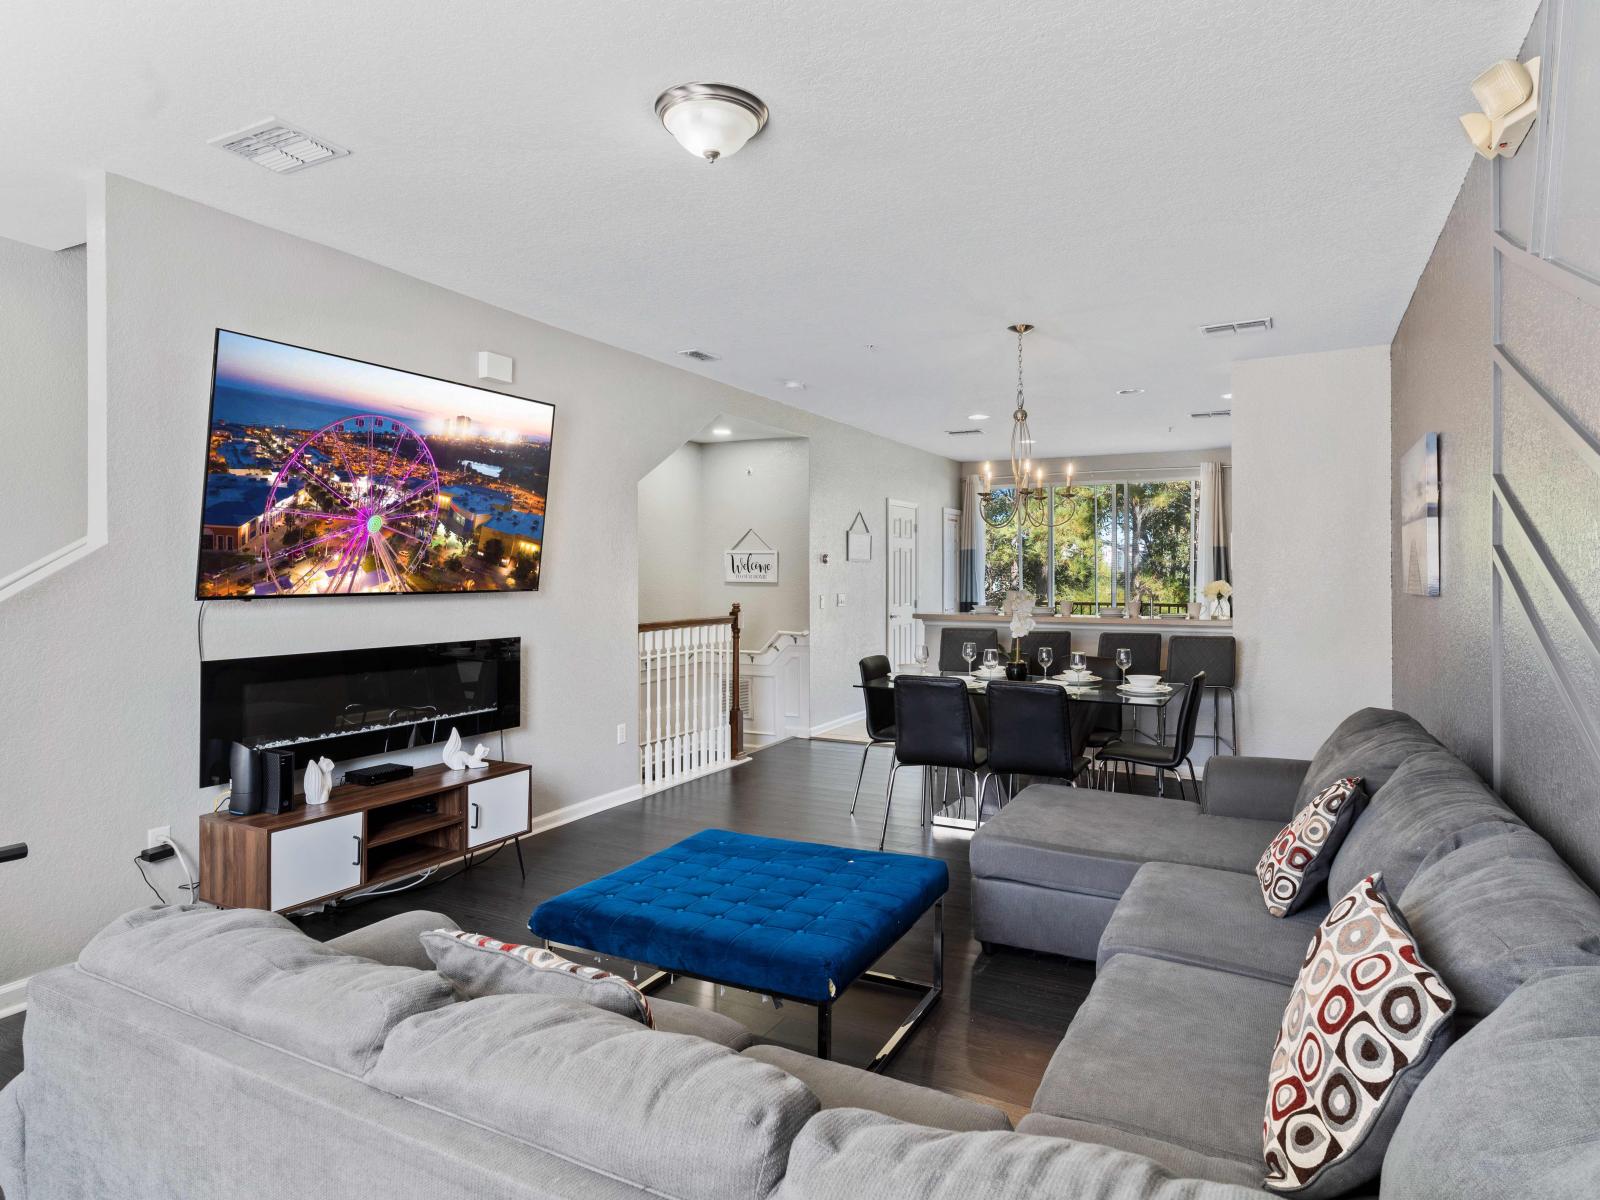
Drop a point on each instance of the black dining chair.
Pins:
(1034, 729)
(880, 714)
(1105, 720)
(1218, 657)
(934, 727)
(1146, 650)
(1163, 758)
(1060, 643)
(950, 640)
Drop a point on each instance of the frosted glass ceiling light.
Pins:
(711, 120)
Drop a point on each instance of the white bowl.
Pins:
(1145, 683)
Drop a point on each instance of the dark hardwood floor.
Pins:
(991, 1035)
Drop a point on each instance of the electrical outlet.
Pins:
(154, 837)
(838, 599)
(622, 734)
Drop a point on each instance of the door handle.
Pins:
(476, 812)
(357, 838)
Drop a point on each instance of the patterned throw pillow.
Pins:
(1365, 1023)
(1299, 858)
(481, 966)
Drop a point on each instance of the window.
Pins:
(1102, 540)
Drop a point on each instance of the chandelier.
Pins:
(1030, 495)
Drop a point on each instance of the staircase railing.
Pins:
(690, 721)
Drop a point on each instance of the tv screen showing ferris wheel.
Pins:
(328, 476)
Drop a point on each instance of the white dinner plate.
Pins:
(1159, 690)
(1066, 680)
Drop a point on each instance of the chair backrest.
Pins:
(933, 722)
(1188, 715)
(1030, 730)
(1106, 717)
(950, 646)
(879, 701)
(1146, 649)
(1060, 643)
(1216, 656)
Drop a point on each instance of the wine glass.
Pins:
(991, 658)
(922, 659)
(1046, 657)
(1078, 664)
(969, 651)
(1124, 661)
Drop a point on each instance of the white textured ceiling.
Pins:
(1116, 174)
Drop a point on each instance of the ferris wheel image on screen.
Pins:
(328, 476)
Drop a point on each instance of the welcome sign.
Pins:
(750, 564)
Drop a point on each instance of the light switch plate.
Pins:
(838, 599)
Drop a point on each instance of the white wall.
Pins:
(1310, 544)
(101, 704)
(697, 504)
(43, 348)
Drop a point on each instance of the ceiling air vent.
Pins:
(699, 355)
(1259, 325)
(279, 147)
(1215, 412)
(962, 432)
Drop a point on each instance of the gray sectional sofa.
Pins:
(195, 1053)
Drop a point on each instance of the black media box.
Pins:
(382, 773)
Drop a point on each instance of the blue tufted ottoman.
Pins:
(796, 920)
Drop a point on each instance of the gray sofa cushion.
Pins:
(1085, 840)
(1496, 911)
(395, 941)
(1513, 1109)
(673, 1017)
(1170, 1051)
(1429, 804)
(839, 1085)
(676, 1115)
(256, 974)
(1369, 744)
(480, 965)
(1258, 788)
(1208, 919)
(1182, 1162)
(848, 1154)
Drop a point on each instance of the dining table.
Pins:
(1095, 691)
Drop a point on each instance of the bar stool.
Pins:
(950, 639)
(880, 714)
(1217, 658)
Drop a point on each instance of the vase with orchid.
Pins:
(1018, 608)
(1218, 591)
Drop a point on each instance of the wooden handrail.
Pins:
(689, 622)
(735, 714)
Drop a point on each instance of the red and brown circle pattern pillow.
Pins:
(1297, 862)
(1365, 1023)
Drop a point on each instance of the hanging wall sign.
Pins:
(750, 560)
(858, 540)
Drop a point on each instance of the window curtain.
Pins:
(970, 589)
(1214, 532)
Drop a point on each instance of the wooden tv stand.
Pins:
(362, 836)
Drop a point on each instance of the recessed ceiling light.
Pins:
(794, 385)
(278, 147)
(977, 416)
(1130, 391)
(721, 431)
(711, 120)
(1227, 395)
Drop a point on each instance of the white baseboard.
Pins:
(13, 997)
(568, 813)
(830, 726)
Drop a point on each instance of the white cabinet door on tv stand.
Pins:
(315, 860)
(497, 809)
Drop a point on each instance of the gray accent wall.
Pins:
(1499, 353)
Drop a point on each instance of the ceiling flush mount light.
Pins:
(711, 120)
(794, 385)
(722, 431)
(1227, 395)
(1029, 502)
(977, 416)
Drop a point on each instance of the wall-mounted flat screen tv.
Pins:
(327, 476)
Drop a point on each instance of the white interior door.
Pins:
(951, 541)
(902, 598)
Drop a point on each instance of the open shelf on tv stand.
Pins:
(361, 837)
